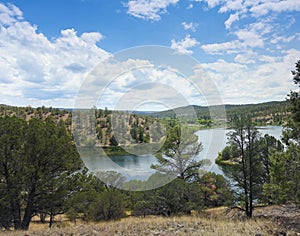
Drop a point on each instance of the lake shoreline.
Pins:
(120, 150)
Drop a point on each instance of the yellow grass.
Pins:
(184, 225)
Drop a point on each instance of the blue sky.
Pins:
(48, 48)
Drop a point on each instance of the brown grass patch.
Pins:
(184, 225)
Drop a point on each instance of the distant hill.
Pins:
(136, 125)
(274, 112)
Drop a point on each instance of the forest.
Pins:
(42, 175)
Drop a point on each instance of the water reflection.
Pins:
(138, 167)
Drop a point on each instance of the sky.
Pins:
(246, 50)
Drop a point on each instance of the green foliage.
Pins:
(109, 205)
(39, 162)
(113, 141)
(247, 161)
(215, 190)
(12, 134)
(175, 198)
(285, 175)
(285, 166)
(177, 156)
(261, 114)
(292, 132)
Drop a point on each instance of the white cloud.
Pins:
(220, 48)
(256, 7)
(149, 9)
(252, 8)
(38, 71)
(249, 57)
(124, 83)
(9, 13)
(257, 82)
(190, 6)
(268, 59)
(189, 26)
(274, 6)
(232, 18)
(284, 39)
(231, 5)
(184, 45)
(210, 3)
(250, 38)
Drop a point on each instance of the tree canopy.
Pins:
(38, 164)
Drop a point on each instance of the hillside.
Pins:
(134, 128)
(273, 220)
(144, 127)
(267, 113)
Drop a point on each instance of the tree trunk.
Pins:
(16, 214)
(28, 210)
(245, 181)
(43, 217)
(51, 220)
(26, 219)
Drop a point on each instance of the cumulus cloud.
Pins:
(252, 36)
(259, 82)
(124, 83)
(189, 26)
(9, 14)
(183, 46)
(232, 18)
(274, 6)
(251, 8)
(35, 70)
(249, 57)
(149, 9)
(210, 3)
(284, 39)
(220, 48)
(249, 38)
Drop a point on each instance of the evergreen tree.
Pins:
(178, 154)
(241, 162)
(285, 166)
(38, 166)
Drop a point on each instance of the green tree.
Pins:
(242, 163)
(268, 145)
(215, 190)
(285, 166)
(49, 166)
(109, 205)
(12, 135)
(176, 197)
(38, 165)
(292, 132)
(140, 134)
(134, 133)
(113, 141)
(178, 154)
(78, 204)
(285, 175)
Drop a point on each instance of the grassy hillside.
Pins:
(274, 220)
(135, 128)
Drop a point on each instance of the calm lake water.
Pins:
(138, 167)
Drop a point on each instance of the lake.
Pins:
(138, 167)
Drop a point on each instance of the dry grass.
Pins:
(211, 222)
(185, 225)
